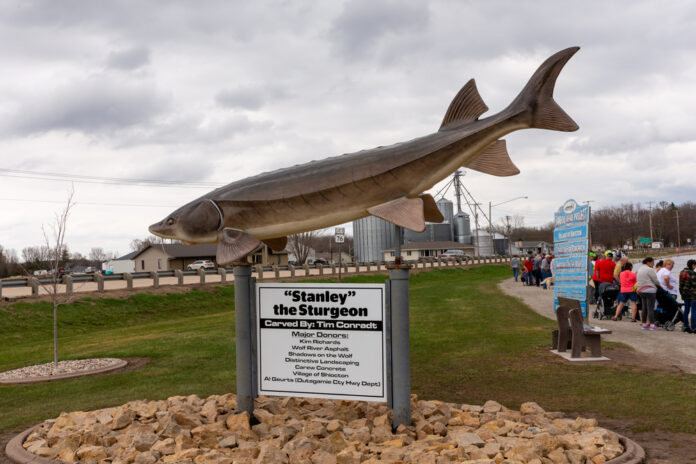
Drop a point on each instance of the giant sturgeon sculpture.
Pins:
(386, 182)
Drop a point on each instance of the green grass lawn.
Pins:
(469, 343)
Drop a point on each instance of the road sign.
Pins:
(340, 238)
(340, 231)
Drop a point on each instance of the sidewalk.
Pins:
(673, 348)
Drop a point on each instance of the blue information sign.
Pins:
(571, 245)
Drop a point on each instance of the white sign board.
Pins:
(340, 238)
(340, 231)
(321, 340)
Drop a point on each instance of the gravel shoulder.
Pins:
(672, 349)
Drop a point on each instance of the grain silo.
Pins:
(462, 228)
(371, 236)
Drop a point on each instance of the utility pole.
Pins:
(678, 237)
(490, 227)
(507, 229)
(477, 248)
(651, 232)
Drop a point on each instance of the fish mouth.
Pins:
(161, 230)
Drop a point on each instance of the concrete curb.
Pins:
(16, 452)
(122, 363)
(634, 453)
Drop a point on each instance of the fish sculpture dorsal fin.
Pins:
(276, 244)
(234, 245)
(494, 160)
(431, 212)
(404, 212)
(467, 106)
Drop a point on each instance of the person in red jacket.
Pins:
(529, 266)
(605, 271)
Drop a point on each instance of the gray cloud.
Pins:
(129, 59)
(95, 105)
(364, 24)
(245, 98)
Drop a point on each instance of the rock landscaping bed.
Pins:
(300, 430)
(60, 370)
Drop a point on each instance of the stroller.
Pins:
(606, 306)
(668, 312)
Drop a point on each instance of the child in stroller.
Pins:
(608, 293)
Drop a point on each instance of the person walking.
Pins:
(687, 290)
(515, 266)
(628, 280)
(646, 284)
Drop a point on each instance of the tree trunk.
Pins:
(55, 332)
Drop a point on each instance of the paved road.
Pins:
(673, 348)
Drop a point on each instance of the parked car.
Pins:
(90, 270)
(201, 263)
(454, 254)
(321, 261)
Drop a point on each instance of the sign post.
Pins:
(339, 234)
(571, 247)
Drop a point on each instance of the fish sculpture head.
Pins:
(197, 222)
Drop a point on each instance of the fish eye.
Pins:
(170, 221)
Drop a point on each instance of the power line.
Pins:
(86, 179)
(90, 203)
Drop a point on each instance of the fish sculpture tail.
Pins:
(535, 102)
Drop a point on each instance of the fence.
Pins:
(69, 284)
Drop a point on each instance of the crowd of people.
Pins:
(637, 291)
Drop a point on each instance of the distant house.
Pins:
(534, 247)
(165, 257)
(120, 265)
(413, 251)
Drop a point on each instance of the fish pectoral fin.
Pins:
(467, 106)
(276, 244)
(494, 160)
(404, 212)
(431, 212)
(234, 245)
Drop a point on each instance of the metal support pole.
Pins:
(242, 316)
(401, 354)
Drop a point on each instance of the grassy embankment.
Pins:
(470, 343)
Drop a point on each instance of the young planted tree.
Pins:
(54, 244)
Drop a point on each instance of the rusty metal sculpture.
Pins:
(385, 181)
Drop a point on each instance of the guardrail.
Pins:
(67, 282)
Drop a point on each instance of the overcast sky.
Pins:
(212, 92)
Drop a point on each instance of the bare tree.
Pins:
(97, 255)
(140, 244)
(56, 249)
(301, 244)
